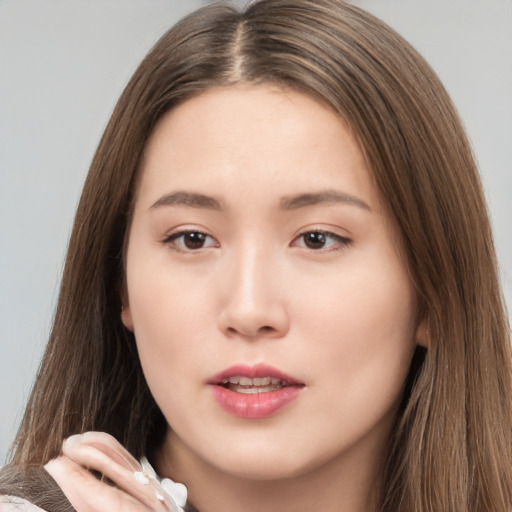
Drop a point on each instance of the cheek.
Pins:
(169, 352)
(364, 325)
(167, 328)
(164, 302)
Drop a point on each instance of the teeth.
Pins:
(257, 385)
(266, 381)
(252, 391)
(246, 381)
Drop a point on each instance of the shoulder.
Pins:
(13, 504)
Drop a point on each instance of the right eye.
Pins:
(190, 240)
(318, 240)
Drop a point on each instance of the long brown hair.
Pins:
(451, 448)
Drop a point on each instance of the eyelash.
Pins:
(340, 242)
(171, 240)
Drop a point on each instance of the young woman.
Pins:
(280, 288)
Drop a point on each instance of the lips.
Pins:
(254, 391)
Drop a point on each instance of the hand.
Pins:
(135, 490)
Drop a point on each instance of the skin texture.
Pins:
(259, 284)
(339, 318)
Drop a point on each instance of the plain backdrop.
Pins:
(63, 63)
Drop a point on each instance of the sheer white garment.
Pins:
(12, 504)
(176, 492)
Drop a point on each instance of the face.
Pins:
(274, 318)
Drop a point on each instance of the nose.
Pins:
(253, 303)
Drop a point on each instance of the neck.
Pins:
(347, 484)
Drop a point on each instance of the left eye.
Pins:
(318, 240)
(190, 240)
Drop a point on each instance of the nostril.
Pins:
(264, 330)
(261, 331)
(248, 321)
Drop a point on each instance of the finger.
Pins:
(110, 446)
(85, 492)
(127, 475)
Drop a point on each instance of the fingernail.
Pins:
(49, 466)
(73, 441)
(49, 463)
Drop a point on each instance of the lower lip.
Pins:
(256, 405)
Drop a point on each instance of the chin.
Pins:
(263, 463)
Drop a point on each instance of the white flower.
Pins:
(176, 491)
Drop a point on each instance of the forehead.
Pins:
(233, 139)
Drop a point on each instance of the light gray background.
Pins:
(63, 64)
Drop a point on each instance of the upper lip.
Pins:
(255, 371)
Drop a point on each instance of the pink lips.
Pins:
(256, 404)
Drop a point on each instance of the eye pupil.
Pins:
(194, 240)
(315, 240)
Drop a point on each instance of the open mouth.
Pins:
(255, 399)
(254, 391)
(248, 385)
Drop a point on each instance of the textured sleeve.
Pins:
(13, 504)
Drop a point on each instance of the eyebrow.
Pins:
(195, 200)
(323, 197)
(190, 199)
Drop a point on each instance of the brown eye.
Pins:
(321, 241)
(315, 240)
(190, 241)
(194, 240)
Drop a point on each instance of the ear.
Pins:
(126, 314)
(421, 335)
